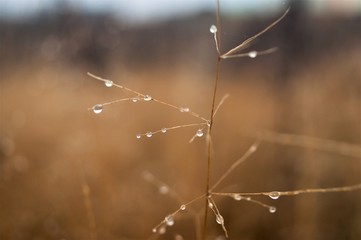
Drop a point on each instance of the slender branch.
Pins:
(218, 24)
(246, 42)
(251, 54)
(346, 149)
(164, 130)
(219, 218)
(249, 152)
(145, 96)
(181, 208)
(276, 194)
(220, 104)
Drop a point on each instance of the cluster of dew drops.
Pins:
(168, 221)
(273, 195)
(98, 108)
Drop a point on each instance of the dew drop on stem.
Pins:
(164, 189)
(147, 98)
(138, 136)
(237, 197)
(219, 219)
(164, 130)
(272, 209)
(253, 148)
(213, 29)
(149, 134)
(108, 83)
(199, 133)
(252, 54)
(183, 207)
(274, 195)
(98, 108)
(134, 100)
(184, 109)
(169, 220)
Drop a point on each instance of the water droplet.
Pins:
(248, 198)
(274, 195)
(136, 99)
(210, 205)
(219, 219)
(154, 230)
(169, 220)
(162, 230)
(108, 83)
(199, 133)
(183, 207)
(147, 98)
(252, 54)
(237, 197)
(164, 130)
(98, 108)
(272, 209)
(149, 134)
(253, 148)
(213, 29)
(164, 189)
(138, 136)
(184, 109)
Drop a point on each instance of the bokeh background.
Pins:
(67, 173)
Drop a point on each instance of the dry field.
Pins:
(67, 173)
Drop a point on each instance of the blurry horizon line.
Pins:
(140, 12)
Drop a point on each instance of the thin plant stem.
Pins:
(342, 148)
(138, 94)
(246, 42)
(220, 104)
(209, 147)
(249, 152)
(209, 134)
(295, 192)
(219, 218)
(181, 208)
(112, 102)
(172, 128)
(248, 54)
(218, 24)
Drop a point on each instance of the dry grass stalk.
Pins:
(209, 194)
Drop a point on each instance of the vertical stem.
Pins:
(209, 147)
(209, 135)
(218, 24)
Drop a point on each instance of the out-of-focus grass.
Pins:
(50, 141)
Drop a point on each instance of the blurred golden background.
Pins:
(67, 173)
